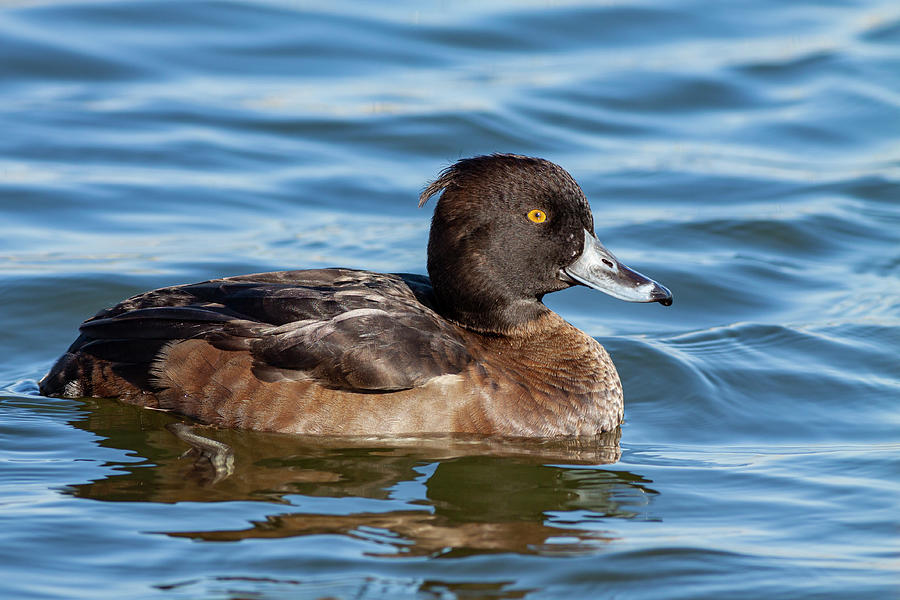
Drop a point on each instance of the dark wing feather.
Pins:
(349, 330)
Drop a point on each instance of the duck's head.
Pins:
(508, 229)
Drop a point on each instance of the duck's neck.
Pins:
(493, 315)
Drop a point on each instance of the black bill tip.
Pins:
(662, 295)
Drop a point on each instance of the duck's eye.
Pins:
(537, 216)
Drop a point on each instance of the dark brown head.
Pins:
(509, 229)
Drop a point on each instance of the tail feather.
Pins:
(98, 369)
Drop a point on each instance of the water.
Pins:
(745, 154)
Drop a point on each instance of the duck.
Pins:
(469, 349)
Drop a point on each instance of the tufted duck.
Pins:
(337, 351)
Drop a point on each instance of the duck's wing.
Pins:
(343, 329)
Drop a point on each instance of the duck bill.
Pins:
(597, 268)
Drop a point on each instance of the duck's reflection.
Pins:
(433, 496)
(350, 586)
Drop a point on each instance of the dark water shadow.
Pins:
(429, 496)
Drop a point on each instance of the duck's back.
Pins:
(337, 329)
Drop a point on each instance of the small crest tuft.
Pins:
(444, 180)
(468, 166)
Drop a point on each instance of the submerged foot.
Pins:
(220, 456)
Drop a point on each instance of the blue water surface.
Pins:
(746, 154)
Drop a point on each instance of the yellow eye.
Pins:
(537, 216)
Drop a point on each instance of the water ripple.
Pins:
(742, 153)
